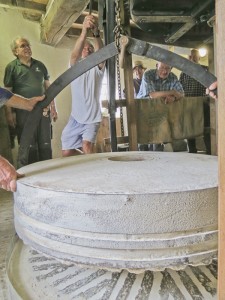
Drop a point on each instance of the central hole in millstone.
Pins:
(126, 158)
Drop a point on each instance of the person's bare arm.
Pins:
(173, 96)
(98, 43)
(164, 94)
(90, 23)
(8, 175)
(23, 103)
(79, 45)
(10, 116)
(53, 109)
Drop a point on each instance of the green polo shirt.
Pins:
(24, 80)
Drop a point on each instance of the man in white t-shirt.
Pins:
(79, 134)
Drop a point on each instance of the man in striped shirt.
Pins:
(160, 83)
(193, 88)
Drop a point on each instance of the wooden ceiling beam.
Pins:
(59, 17)
(24, 6)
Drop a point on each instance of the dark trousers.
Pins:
(150, 147)
(207, 139)
(40, 148)
(192, 144)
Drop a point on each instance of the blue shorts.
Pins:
(74, 133)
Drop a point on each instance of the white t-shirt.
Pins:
(86, 108)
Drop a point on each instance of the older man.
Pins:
(8, 174)
(160, 83)
(29, 77)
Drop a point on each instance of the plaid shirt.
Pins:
(5, 95)
(192, 88)
(151, 82)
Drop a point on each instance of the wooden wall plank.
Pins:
(58, 19)
(220, 55)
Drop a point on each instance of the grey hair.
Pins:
(89, 42)
(13, 44)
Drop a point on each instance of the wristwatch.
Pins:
(96, 34)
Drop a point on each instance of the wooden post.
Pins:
(129, 87)
(213, 103)
(220, 52)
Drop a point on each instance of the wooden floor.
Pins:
(6, 233)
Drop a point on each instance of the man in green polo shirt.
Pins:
(29, 77)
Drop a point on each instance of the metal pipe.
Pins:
(90, 7)
(111, 71)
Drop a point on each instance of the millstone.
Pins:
(135, 210)
(32, 275)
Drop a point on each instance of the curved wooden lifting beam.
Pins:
(131, 45)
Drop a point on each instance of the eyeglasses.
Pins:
(164, 69)
(22, 46)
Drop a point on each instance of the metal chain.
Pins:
(118, 30)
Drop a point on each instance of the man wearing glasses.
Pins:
(160, 83)
(29, 77)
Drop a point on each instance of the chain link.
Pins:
(120, 95)
(118, 30)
